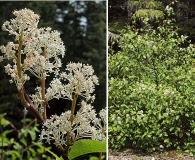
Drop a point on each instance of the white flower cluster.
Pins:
(79, 80)
(36, 50)
(37, 99)
(140, 114)
(103, 115)
(39, 50)
(12, 71)
(168, 8)
(43, 40)
(25, 22)
(169, 91)
(85, 124)
(10, 50)
(141, 86)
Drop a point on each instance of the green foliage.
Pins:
(85, 146)
(149, 4)
(81, 147)
(19, 143)
(52, 153)
(141, 10)
(117, 24)
(151, 91)
(149, 13)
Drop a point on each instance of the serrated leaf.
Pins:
(85, 146)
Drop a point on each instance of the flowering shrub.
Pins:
(151, 91)
(38, 51)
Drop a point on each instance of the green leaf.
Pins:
(23, 141)
(41, 148)
(166, 140)
(14, 154)
(85, 146)
(4, 122)
(57, 158)
(17, 146)
(3, 144)
(33, 152)
(32, 134)
(6, 132)
(12, 140)
(26, 120)
(180, 135)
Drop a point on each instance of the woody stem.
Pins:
(43, 90)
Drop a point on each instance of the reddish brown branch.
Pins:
(32, 108)
(63, 151)
(27, 103)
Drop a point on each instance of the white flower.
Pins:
(9, 50)
(140, 114)
(55, 90)
(40, 48)
(103, 115)
(37, 100)
(13, 72)
(84, 124)
(56, 128)
(42, 52)
(80, 79)
(168, 8)
(169, 91)
(25, 22)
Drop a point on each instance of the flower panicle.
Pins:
(37, 50)
(25, 21)
(85, 125)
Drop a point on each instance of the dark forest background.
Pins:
(83, 29)
(131, 12)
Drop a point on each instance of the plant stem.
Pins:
(19, 65)
(69, 143)
(100, 156)
(43, 90)
(43, 97)
(63, 151)
(73, 107)
(19, 69)
(25, 100)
